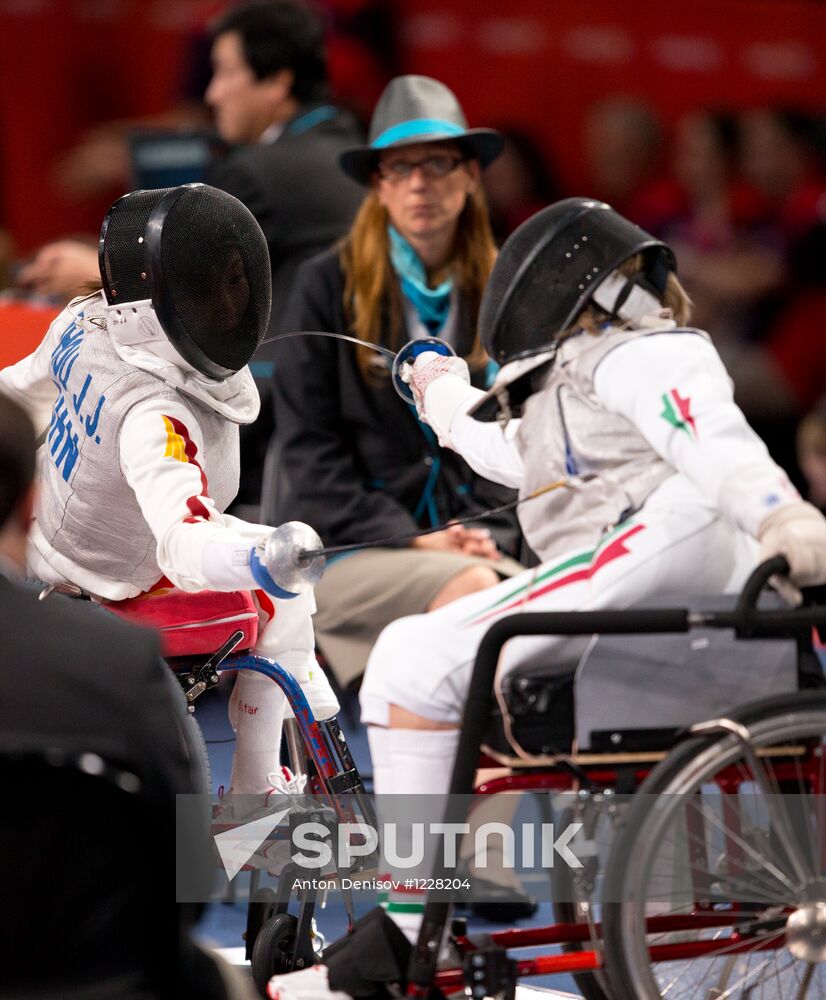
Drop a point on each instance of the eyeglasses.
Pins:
(436, 166)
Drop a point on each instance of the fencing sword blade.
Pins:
(333, 336)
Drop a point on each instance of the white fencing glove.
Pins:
(441, 386)
(798, 532)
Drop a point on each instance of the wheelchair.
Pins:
(203, 636)
(709, 881)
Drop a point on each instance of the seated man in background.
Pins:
(271, 99)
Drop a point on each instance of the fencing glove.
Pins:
(441, 386)
(798, 532)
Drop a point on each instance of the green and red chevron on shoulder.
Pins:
(677, 412)
(578, 567)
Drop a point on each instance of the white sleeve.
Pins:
(198, 548)
(488, 449)
(29, 382)
(675, 390)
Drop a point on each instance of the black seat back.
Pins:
(86, 880)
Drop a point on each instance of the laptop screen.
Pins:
(166, 158)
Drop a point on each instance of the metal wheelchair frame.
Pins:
(490, 965)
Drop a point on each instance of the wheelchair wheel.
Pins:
(191, 735)
(575, 893)
(198, 753)
(274, 950)
(717, 881)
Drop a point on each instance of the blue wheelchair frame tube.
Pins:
(309, 728)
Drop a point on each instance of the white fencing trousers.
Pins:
(258, 705)
(676, 545)
(288, 639)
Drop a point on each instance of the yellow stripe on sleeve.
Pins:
(174, 443)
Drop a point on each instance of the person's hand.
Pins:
(798, 532)
(458, 538)
(61, 269)
(448, 540)
(97, 165)
(426, 369)
(478, 542)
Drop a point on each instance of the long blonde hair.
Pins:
(372, 297)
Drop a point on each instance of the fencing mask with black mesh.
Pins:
(549, 270)
(190, 265)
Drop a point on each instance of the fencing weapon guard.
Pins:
(293, 557)
(408, 354)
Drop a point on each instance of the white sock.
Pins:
(256, 712)
(418, 762)
(382, 773)
(319, 692)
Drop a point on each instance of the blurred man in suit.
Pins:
(270, 96)
(95, 744)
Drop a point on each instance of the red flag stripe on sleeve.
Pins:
(196, 508)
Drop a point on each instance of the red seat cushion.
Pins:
(192, 624)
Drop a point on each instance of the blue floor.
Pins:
(223, 923)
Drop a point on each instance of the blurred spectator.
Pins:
(623, 147)
(811, 454)
(352, 457)
(361, 50)
(785, 377)
(270, 95)
(783, 156)
(518, 183)
(713, 222)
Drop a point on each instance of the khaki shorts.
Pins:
(361, 593)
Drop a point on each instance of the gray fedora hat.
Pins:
(415, 109)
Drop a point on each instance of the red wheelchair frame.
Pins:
(488, 971)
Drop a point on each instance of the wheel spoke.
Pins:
(715, 824)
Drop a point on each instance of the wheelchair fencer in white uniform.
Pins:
(639, 476)
(620, 421)
(139, 390)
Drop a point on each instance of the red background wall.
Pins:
(541, 64)
(66, 64)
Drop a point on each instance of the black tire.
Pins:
(259, 910)
(274, 950)
(666, 847)
(191, 736)
(198, 753)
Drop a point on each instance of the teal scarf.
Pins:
(432, 304)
